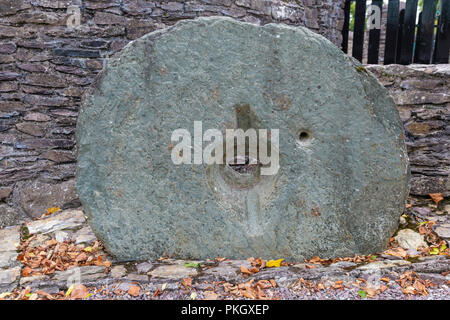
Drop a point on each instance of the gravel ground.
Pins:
(393, 292)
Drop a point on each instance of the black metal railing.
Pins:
(406, 41)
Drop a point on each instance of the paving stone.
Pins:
(443, 231)
(9, 278)
(83, 274)
(62, 236)
(36, 280)
(137, 277)
(343, 264)
(173, 272)
(8, 258)
(224, 272)
(68, 219)
(39, 240)
(144, 267)
(10, 238)
(377, 265)
(118, 271)
(84, 235)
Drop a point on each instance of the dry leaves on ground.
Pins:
(250, 289)
(411, 283)
(258, 264)
(74, 292)
(54, 256)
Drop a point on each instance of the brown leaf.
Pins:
(79, 292)
(371, 292)
(245, 270)
(186, 282)
(436, 197)
(81, 257)
(210, 295)
(157, 292)
(409, 290)
(274, 284)
(45, 294)
(134, 290)
(315, 259)
(264, 284)
(396, 252)
(249, 293)
(26, 271)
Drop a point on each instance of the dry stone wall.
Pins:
(45, 67)
(422, 95)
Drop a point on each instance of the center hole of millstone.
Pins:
(242, 172)
(244, 165)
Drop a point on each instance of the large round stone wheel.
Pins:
(342, 179)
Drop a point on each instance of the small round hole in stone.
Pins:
(303, 136)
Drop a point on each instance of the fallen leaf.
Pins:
(157, 292)
(79, 291)
(371, 292)
(50, 211)
(45, 294)
(33, 296)
(69, 291)
(26, 271)
(245, 270)
(81, 257)
(409, 290)
(210, 295)
(134, 290)
(186, 282)
(396, 252)
(434, 251)
(436, 197)
(192, 265)
(274, 263)
(193, 295)
(362, 293)
(264, 284)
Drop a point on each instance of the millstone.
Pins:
(342, 178)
